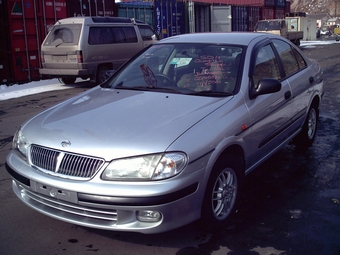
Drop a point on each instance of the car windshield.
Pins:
(198, 69)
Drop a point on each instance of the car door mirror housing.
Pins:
(265, 86)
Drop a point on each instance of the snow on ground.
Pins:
(35, 87)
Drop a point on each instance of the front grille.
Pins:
(74, 213)
(63, 163)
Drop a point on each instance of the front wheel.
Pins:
(307, 135)
(222, 193)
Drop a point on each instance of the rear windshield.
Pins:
(63, 34)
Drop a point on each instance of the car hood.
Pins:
(113, 123)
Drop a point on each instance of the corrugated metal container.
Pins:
(5, 63)
(240, 18)
(254, 13)
(27, 25)
(240, 2)
(169, 17)
(280, 3)
(279, 13)
(287, 7)
(202, 17)
(267, 13)
(143, 11)
(90, 8)
(221, 18)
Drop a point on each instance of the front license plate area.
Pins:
(53, 192)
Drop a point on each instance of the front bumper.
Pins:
(91, 209)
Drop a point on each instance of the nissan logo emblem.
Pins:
(66, 143)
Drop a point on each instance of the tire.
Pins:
(307, 135)
(101, 74)
(68, 80)
(222, 193)
(297, 42)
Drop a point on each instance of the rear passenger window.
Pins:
(110, 35)
(266, 65)
(292, 61)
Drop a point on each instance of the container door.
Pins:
(220, 18)
(6, 76)
(24, 40)
(169, 18)
(240, 18)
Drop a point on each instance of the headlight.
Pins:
(149, 167)
(20, 144)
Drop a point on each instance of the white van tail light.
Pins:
(79, 56)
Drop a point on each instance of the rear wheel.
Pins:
(68, 80)
(222, 193)
(101, 74)
(307, 135)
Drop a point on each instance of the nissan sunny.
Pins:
(169, 138)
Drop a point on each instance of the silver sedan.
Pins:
(169, 138)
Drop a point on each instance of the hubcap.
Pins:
(224, 194)
(311, 124)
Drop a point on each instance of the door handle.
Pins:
(311, 79)
(288, 94)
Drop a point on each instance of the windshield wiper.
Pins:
(212, 93)
(149, 88)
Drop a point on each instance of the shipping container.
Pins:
(279, 13)
(221, 18)
(267, 13)
(239, 2)
(6, 74)
(240, 18)
(26, 24)
(143, 11)
(90, 8)
(254, 16)
(280, 3)
(202, 17)
(169, 17)
(287, 7)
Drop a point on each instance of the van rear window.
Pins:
(109, 35)
(63, 34)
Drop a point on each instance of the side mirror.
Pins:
(265, 86)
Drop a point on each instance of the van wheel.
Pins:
(101, 74)
(69, 80)
(222, 193)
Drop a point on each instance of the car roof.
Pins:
(239, 38)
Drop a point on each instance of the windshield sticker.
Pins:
(180, 61)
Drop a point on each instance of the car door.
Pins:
(270, 113)
(299, 76)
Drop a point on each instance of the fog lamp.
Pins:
(149, 216)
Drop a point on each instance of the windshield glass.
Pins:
(63, 34)
(182, 68)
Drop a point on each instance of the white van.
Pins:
(87, 47)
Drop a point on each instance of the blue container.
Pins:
(280, 3)
(143, 11)
(240, 18)
(169, 18)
